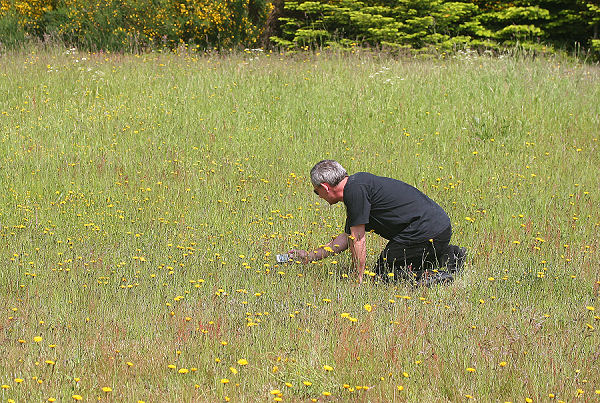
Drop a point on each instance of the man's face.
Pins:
(324, 192)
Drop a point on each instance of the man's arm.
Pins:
(358, 248)
(337, 245)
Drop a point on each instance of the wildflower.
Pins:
(183, 371)
(49, 362)
(37, 339)
(171, 366)
(327, 368)
(18, 380)
(242, 361)
(470, 369)
(326, 394)
(400, 388)
(590, 308)
(502, 363)
(275, 392)
(224, 380)
(106, 389)
(307, 383)
(77, 397)
(368, 307)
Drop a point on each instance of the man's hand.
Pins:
(299, 254)
(359, 249)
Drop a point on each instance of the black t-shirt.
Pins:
(393, 209)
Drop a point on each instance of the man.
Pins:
(418, 229)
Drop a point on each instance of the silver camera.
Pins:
(283, 258)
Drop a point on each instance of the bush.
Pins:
(129, 24)
(12, 34)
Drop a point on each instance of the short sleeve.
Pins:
(358, 206)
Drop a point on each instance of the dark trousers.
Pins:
(410, 261)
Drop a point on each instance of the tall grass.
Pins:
(145, 197)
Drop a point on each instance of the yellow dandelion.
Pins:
(224, 380)
(400, 388)
(183, 371)
(37, 339)
(470, 369)
(77, 397)
(368, 307)
(18, 380)
(326, 394)
(307, 383)
(106, 389)
(327, 368)
(502, 363)
(275, 392)
(242, 361)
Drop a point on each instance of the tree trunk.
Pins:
(272, 25)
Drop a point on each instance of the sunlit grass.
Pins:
(146, 196)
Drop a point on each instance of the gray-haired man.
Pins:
(417, 228)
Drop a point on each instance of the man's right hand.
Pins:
(299, 255)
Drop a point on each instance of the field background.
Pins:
(145, 196)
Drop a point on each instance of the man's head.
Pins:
(328, 178)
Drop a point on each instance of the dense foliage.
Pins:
(444, 24)
(412, 24)
(130, 24)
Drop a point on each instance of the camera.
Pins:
(283, 258)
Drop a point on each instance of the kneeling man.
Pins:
(417, 228)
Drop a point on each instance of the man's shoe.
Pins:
(429, 279)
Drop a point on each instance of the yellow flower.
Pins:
(18, 380)
(400, 387)
(327, 368)
(77, 397)
(470, 369)
(242, 361)
(37, 339)
(307, 383)
(326, 394)
(51, 399)
(224, 380)
(49, 362)
(368, 308)
(590, 308)
(183, 371)
(502, 363)
(275, 392)
(106, 389)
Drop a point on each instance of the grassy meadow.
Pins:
(145, 196)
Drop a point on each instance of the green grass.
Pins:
(144, 199)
